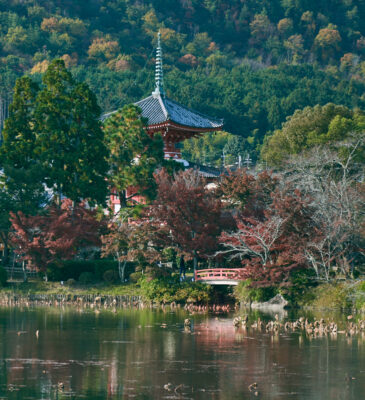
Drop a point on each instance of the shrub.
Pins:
(167, 290)
(104, 265)
(3, 276)
(86, 277)
(243, 292)
(71, 282)
(135, 276)
(302, 281)
(111, 276)
(157, 272)
(329, 295)
(359, 296)
(74, 268)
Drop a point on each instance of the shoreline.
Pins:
(76, 300)
(343, 298)
(107, 301)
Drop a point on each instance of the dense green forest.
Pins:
(251, 62)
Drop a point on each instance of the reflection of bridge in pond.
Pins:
(220, 276)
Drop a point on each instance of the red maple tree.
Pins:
(249, 194)
(56, 235)
(270, 243)
(186, 215)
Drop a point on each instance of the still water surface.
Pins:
(132, 354)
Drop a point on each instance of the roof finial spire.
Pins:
(159, 68)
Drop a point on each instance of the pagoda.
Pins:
(172, 120)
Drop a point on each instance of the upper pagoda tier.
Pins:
(174, 121)
(167, 116)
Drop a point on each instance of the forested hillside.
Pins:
(252, 62)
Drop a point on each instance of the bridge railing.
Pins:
(219, 274)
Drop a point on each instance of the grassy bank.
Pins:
(340, 296)
(51, 288)
(334, 296)
(159, 290)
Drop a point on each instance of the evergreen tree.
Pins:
(21, 187)
(70, 139)
(18, 134)
(133, 154)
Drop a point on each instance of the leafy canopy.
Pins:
(310, 127)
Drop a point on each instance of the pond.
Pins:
(147, 354)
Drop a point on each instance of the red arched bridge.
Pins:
(220, 276)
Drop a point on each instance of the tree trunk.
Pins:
(195, 264)
(121, 268)
(25, 277)
(122, 271)
(5, 259)
(123, 199)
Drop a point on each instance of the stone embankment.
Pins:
(90, 300)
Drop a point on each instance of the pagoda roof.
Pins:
(159, 109)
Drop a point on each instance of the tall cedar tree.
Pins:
(57, 235)
(21, 179)
(70, 139)
(133, 154)
(185, 214)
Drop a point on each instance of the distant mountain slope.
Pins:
(252, 62)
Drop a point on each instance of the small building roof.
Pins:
(204, 170)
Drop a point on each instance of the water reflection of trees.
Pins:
(116, 355)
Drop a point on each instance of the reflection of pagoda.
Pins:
(174, 121)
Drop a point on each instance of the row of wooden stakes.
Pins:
(319, 327)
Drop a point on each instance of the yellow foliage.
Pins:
(285, 25)
(102, 48)
(50, 25)
(40, 67)
(70, 61)
(328, 38)
(73, 27)
(122, 63)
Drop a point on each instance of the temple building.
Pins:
(174, 122)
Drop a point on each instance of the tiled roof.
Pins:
(158, 109)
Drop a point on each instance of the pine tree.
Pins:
(133, 155)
